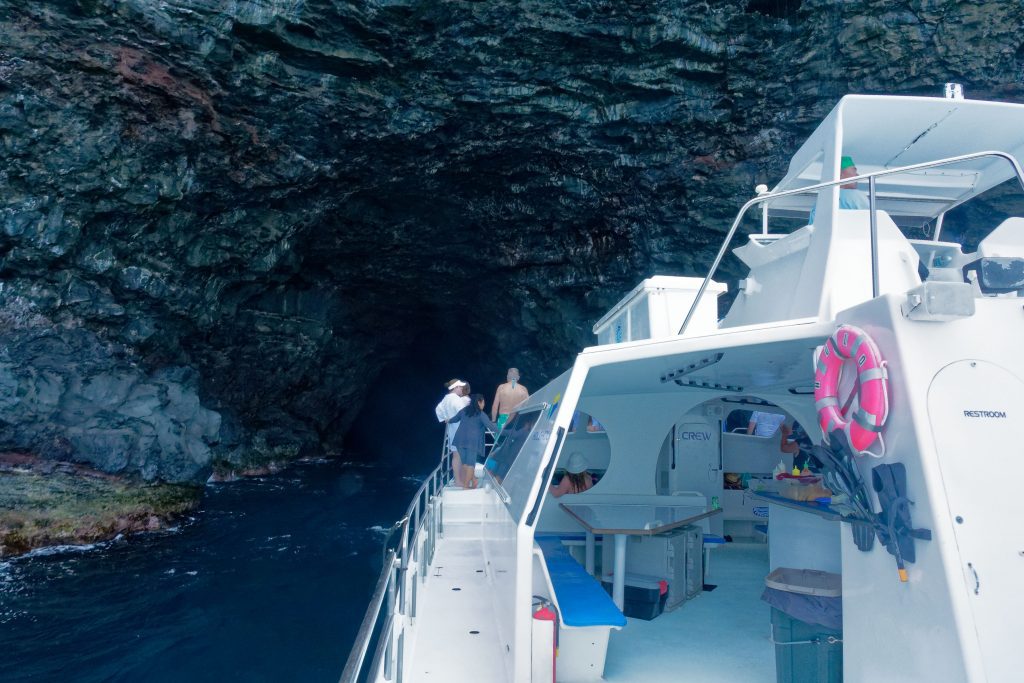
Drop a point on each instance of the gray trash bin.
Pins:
(807, 625)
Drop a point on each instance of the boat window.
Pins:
(595, 474)
(589, 440)
(516, 456)
(737, 421)
(640, 320)
(586, 422)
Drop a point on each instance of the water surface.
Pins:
(268, 582)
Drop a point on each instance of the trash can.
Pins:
(807, 625)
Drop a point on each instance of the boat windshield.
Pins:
(517, 453)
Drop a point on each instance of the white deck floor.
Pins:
(446, 650)
(719, 637)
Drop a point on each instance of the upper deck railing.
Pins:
(872, 199)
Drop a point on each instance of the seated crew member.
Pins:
(764, 424)
(849, 196)
(576, 478)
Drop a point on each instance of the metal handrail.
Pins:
(396, 562)
(362, 644)
(870, 177)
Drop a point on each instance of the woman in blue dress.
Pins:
(469, 439)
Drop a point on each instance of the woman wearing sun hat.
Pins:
(576, 478)
(454, 401)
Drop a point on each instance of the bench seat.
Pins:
(580, 599)
(565, 537)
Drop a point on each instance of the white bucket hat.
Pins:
(577, 464)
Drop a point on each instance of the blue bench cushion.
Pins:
(581, 600)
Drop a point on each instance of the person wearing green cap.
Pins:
(849, 196)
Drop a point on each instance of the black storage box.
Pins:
(644, 596)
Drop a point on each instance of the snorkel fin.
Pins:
(894, 528)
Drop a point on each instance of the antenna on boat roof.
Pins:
(954, 91)
(760, 190)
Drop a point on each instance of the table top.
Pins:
(813, 507)
(637, 519)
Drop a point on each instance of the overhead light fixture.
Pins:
(692, 367)
(697, 384)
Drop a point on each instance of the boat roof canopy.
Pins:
(882, 133)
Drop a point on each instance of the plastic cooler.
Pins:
(644, 597)
(677, 556)
(806, 625)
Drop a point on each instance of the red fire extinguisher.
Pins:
(545, 640)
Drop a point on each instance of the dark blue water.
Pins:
(268, 582)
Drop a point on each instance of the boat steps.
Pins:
(462, 505)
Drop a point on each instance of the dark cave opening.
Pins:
(396, 426)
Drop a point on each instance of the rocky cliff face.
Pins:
(229, 218)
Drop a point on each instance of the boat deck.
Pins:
(722, 635)
(719, 636)
(456, 630)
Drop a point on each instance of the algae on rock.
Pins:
(70, 505)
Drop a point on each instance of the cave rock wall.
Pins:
(288, 197)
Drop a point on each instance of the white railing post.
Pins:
(874, 237)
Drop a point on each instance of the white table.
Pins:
(628, 519)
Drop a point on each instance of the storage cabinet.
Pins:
(756, 457)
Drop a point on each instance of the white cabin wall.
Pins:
(928, 624)
(845, 284)
(757, 303)
(848, 282)
(636, 427)
(499, 538)
(806, 299)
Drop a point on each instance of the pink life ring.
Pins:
(864, 426)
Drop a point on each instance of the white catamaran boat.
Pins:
(881, 313)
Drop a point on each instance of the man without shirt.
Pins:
(508, 396)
